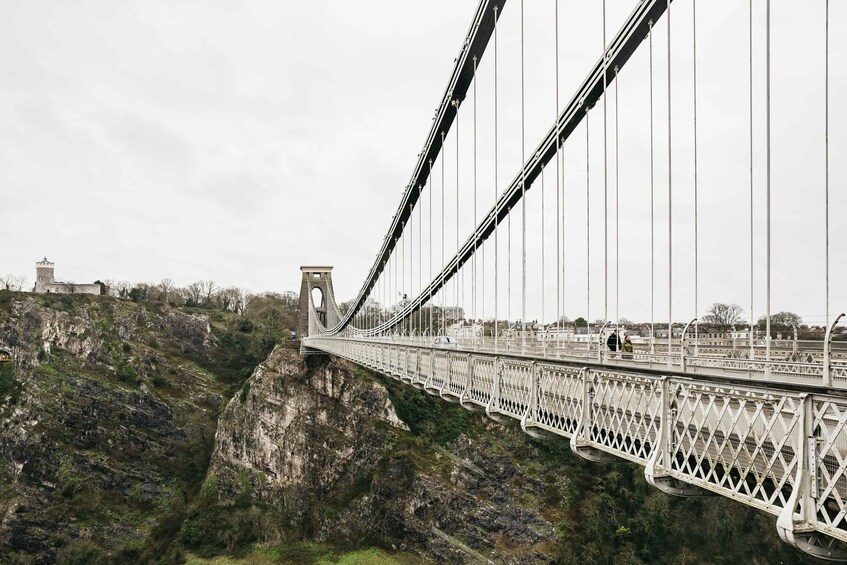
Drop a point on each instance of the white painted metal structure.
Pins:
(761, 421)
(780, 450)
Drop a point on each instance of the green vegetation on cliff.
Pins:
(107, 421)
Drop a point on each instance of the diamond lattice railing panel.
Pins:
(458, 374)
(625, 412)
(482, 381)
(559, 398)
(742, 441)
(412, 365)
(830, 416)
(515, 383)
(391, 356)
(439, 372)
(426, 365)
(402, 359)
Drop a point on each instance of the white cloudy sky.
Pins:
(239, 140)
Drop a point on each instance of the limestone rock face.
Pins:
(297, 426)
(101, 431)
(321, 441)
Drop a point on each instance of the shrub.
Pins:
(126, 374)
(7, 378)
(160, 382)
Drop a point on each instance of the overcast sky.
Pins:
(236, 141)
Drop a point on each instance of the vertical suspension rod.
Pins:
(826, 159)
(606, 175)
(559, 227)
(523, 190)
(750, 76)
(696, 194)
(670, 198)
(496, 193)
(652, 207)
(473, 281)
(768, 175)
(443, 290)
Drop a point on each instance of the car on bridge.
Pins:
(445, 342)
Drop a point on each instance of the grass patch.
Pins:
(369, 556)
(304, 553)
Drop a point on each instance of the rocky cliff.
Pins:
(346, 457)
(321, 441)
(107, 419)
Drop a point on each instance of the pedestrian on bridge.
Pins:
(614, 341)
(627, 348)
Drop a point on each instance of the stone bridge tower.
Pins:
(316, 281)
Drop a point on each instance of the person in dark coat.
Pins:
(614, 341)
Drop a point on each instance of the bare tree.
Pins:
(12, 282)
(208, 290)
(723, 315)
(193, 294)
(230, 299)
(166, 286)
(121, 288)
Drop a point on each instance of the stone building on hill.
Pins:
(46, 283)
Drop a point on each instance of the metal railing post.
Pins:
(532, 402)
(805, 482)
(599, 341)
(682, 344)
(494, 396)
(659, 461)
(827, 369)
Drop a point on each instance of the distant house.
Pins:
(453, 313)
(45, 283)
(464, 330)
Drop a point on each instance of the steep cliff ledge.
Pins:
(107, 418)
(320, 441)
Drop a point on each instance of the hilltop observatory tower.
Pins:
(45, 282)
(44, 275)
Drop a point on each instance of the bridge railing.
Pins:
(702, 364)
(781, 451)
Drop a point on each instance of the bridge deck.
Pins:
(780, 447)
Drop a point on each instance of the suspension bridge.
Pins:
(758, 416)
